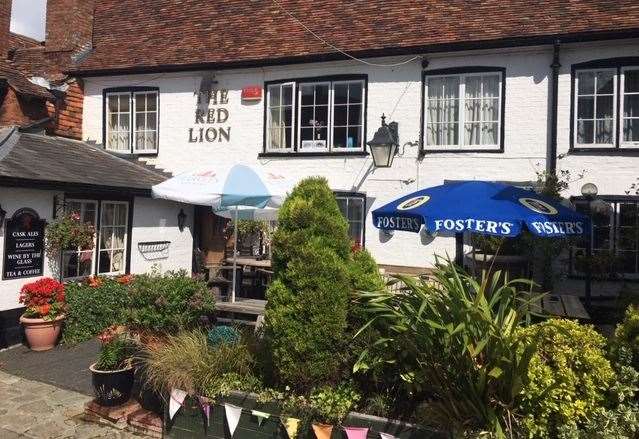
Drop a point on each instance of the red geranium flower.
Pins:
(41, 295)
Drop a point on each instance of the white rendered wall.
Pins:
(397, 93)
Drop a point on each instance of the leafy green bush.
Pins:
(93, 307)
(187, 361)
(453, 341)
(307, 303)
(168, 302)
(568, 378)
(331, 404)
(627, 336)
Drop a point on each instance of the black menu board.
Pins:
(23, 245)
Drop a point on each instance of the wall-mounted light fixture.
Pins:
(384, 144)
(181, 220)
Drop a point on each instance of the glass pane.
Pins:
(627, 238)
(433, 133)
(275, 137)
(489, 134)
(339, 137)
(321, 95)
(288, 137)
(354, 115)
(473, 86)
(140, 123)
(340, 115)
(86, 263)
(473, 107)
(104, 264)
(288, 116)
(151, 140)
(306, 117)
(355, 209)
(321, 116)
(121, 219)
(140, 102)
(631, 81)
(627, 214)
(472, 133)
(117, 262)
(287, 95)
(604, 107)
(585, 83)
(631, 130)
(355, 232)
(601, 238)
(69, 264)
(308, 94)
(605, 82)
(140, 141)
(340, 94)
(118, 237)
(343, 206)
(628, 262)
(306, 133)
(604, 131)
(273, 95)
(354, 137)
(151, 121)
(113, 103)
(107, 214)
(124, 103)
(124, 122)
(585, 131)
(151, 102)
(450, 134)
(631, 105)
(113, 122)
(490, 109)
(491, 86)
(106, 237)
(435, 88)
(355, 92)
(585, 107)
(274, 117)
(89, 213)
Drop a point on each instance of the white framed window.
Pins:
(145, 111)
(353, 207)
(79, 262)
(463, 111)
(280, 109)
(596, 110)
(132, 121)
(114, 217)
(629, 106)
(316, 116)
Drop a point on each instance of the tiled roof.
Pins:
(153, 34)
(21, 84)
(64, 162)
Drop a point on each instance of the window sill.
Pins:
(313, 154)
(623, 151)
(131, 155)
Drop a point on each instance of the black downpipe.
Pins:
(551, 160)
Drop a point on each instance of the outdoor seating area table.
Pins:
(565, 306)
(250, 262)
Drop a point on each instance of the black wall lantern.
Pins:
(384, 144)
(3, 214)
(181, 220)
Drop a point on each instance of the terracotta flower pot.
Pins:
(323, 431)
(42, 334)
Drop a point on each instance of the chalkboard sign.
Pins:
(23, 245)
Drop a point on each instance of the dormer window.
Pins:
(131, 120)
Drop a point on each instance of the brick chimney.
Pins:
(5, 21)
(69, 24)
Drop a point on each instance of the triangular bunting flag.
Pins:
(291, 425)
(261, 416)
(206, 408)
(233, 414)
(323, 431)
(387, 436)
(356, 432)
(175, 401)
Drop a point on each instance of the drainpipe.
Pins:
(551, 159)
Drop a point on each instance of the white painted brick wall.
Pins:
(396, 92)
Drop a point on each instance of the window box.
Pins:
(321, 116)
(462, 110)
(131, 120)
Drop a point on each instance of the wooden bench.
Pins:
(561, 305)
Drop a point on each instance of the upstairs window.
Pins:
(463, 111)
(606, 104)
(131, 121)
(315, 116)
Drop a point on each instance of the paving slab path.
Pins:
(35, 410)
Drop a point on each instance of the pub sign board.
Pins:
(23, 245)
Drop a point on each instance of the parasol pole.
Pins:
(234, 255)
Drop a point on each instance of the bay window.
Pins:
(315, 116)
(463, 111)
(606, 104)
(109, 251)
(131, 120)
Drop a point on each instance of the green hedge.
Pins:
(92, 309)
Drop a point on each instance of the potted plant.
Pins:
(42, 320)
(113, 372)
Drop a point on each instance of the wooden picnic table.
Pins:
(563, 305)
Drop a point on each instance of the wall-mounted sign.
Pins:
(210, 113)
(252, 93)
(23, 245)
